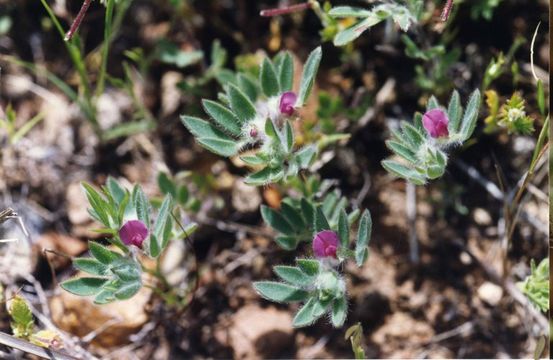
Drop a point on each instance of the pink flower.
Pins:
(133, 232)
(435, 122)
(287, 102)
(325, 244)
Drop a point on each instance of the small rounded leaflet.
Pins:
(325, 244)
(435, 122)
(287, 103)
(133, 232)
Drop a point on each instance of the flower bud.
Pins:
(325, 244)
(133, 232)
(287, 102)
(435, 122)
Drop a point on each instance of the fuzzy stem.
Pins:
(285, 10)
(78, 20)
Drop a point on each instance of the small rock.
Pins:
(490, 293)
(482, 217)
(261, 333)
(77, 204)
(170, 94)
(245, 198)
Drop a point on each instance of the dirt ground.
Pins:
(447, 304)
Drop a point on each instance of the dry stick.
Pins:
(29, 348)
(286, 9)
(411, 210)
(78, 20)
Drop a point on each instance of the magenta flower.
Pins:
(325, 244)
(435, 122)
(133, 232)
(287, 102)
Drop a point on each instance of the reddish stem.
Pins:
(446, 10)
(78, 20)
(285, 10)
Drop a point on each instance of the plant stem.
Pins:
(286, 10)
(108, 27)
(78, 20)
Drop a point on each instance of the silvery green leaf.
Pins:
(293, 216)
(287, 242)
(128, 290)
(363, 237)
(116, 191)
(248, 86)
(261, 177)
(339, 311)
(320, 222)
(275, 220)
(271, 130)
(240, 104)
(289, 132)
(141, 204)
(91, 266)
(308, 211)
(286, 72)
(306, 155)
(102, 253)
(223, 117)
(84, 286)
(292, 275)
(343, 229)
(100, 207)
(220, 146)
(279, 292)
(348, 11)
(346, 36)
(253, 160)
(454, 112)
(105, 296)
(268, 79)
(160, 228)
(305, 316)
(412, 136)
(329, 203)
(403, 171)
(432, 103)
(471, 115)
(401, 150)
(166, 185)
(308, 75)
(308, 266)
(203, 129)
(154, 248)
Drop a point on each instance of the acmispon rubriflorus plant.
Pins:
(248, 119)
(317, 281)
(422, 146)
(125, 216)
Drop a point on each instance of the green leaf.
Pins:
(343, 229)
(223, 117)
(306, 155)
(286, 73)
(454, 112)
(279, 292)
(402, 151)
(102, 253)
(292, 275)
(308, 76)
(471, 114)
(308, 266)
(270, 129)
(116, 191)
(253, 160)
(349, 11)
(432, 103)
(261, 177)
(91, 266)
(541, 98)
(346, 36)
(141, 204)
(202, 129)
(403, 171)
(276, 220)
(128, 290)
(308, 211)
(412, 135)
(221, 147)
(339, 311)
(363, 237)
(160, 231)
(293, 216)
(268, 79)
(289, 136)
(320, 222)
(240, 104)
(287, 242)
(100, 207)
(104, 297)
(85, 286)
(304, 316)
(127, 269)
(248, 86)
(166, 185)
(154, 246)
(171, 54)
